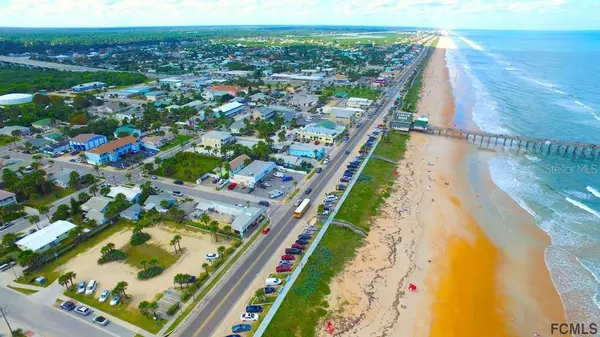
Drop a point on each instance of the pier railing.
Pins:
(539, 145)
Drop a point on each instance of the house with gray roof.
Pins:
(132, 213)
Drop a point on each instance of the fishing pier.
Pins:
(536, 145)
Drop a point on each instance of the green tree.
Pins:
(97, 169)
(120, 288)
(174, 244)
(9, 241)
(177, 238)
(128, 176)
(214, 227)
(44, 210)
(205, 267)
(74, 179)
(28, 258)
(94, 189)
(105, 190)
(144, 307)
(34, 219)
(221, 251)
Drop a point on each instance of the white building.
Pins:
(132, 194)
(7, 198)
(14, 99)
(46, 237)
(216, 139)
(253, 173)
(356, 102)
(229, 109)
(171, 81)
(242, 218)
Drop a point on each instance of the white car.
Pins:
(275, 194)
(152, 177)
(298, 202)
(104, 296)
(267, 184)
(115, 300)
(91, 287)
(278, 174)
(272, 281)
(82, 310)
(248, 317)
(100, 320)
(81, 287)
(326, 161)
(211, 256)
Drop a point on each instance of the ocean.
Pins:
(546, 85)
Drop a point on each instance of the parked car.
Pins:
(104, 295)
(311, 228)
(100, 320)
(264, 203)
(286, 263)
(115, 300)
(241, 328)
(344, 180)
(269, 290)
(232, 186)
(178, 182)
(82, 310)
(319, 170)
(302, 242)
(91, 287)
(297, 246)
(254, 308)
(177, 194)
(298, 202)
(278, 174)
(153, 177)
(31, 231)
(308, 190)
(67, 305)
(288, 257)
(234, 335)
(347, 152)
(81, 287)
(317, 142)
(272, 281)
(283, 269)
(304, 237)
(275, 194)
(249, 317)
(293, 251)
(326, 161)
(286, 178)
(266, 230)
(211, 256)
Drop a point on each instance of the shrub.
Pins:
(186, 296)
(139, 238)
(229, 250)
(173, 309)
(114, 255)
(149, 273)
(237, 244)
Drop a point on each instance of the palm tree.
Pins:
(75, 233)
(153, 306)
(152, 262)
(174, 244)
(34, 219)
(44, 210)
(205, 219)
(120, 288)
(37, 158)
(144, 306)
(97, 169)
(70, 275)
(128, 176)
(227, 230)
(84, 158)
(177, 238)
(214, 227)
(205, 267)
(165, 204)
(221, 251)
(109, 247)
(63, 281)
(94, 189)
(17, 134)
(144, 263)
(105, 190)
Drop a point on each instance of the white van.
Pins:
(275, 193)
(278, 174)
(272, 281)
(281, 169)
(7, 266)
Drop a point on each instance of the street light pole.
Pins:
(6, 320)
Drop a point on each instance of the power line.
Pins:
(2, 312)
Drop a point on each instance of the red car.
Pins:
(283, 269)
(231, 186)
(266, 230)
(317, 142)
(295, 245)
(288, 257)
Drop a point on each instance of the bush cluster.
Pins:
(114, 255)
(139, 238)
(173, 309)
(149, 273)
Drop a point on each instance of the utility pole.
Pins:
(2, 310)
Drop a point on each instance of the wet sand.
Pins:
(474, 277)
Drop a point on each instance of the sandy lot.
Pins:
(195, 245)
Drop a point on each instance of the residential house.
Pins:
(113, 151)
(129, 130)
(229, 109)
(87, 141)
(56, 147)
(132, 194)
(97, 216)
(132, 213)
(7, 198)
(213, 95)
(61, 178)
(216, 139)
(109, 108)
(259, 97)
(47, 237)
(43, 124)
(154, 95)
(98, 203)
(264, 112)
(253, 173)
(237, 164)
(8, 130)
(155, 142)
(39, 143)
(237, 127)
(307, 151)
(155, 201)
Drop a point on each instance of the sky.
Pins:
(452, 14)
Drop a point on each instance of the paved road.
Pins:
(51, 321)
(219, 305)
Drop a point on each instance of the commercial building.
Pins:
(237, 164)
(7, 198)
(402, 121)
(421, 123)
(253, 173)
(128, 129)
(293, 77)
(87, 141)
(307, 151)
(132, 194)
(213, 95)
(88, 86)
(342, 116)
(14, 99)
(154, 95)
(326, 131)
(171, 81)
(229, 89)
(113, 151)
(264, 112)
(356, 102)
(216, 139)
(241, 218)
(56, 147)
(229, 109)
(47, 237)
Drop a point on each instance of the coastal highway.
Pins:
(221, 301)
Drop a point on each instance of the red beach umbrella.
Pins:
(412, 287)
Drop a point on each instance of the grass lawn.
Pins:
(367, 93)
(412, 95)
(4, 140)
(123, 311)
(176, 141)
(374, 182)
(55, 194)
(187, 166)
(304, 305)
(137, 254)
(50, 269)
(23, 290)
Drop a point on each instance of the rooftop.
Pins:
(45, 235)
(84, 137)
(112, 146)
(228, 107)
(217, 135)
(97, 203)
(129, 192)
(239, 160)
(256, 167)
(5, 194)
(241, 216)
(45, 122)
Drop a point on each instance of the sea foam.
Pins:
(594, 191)
(583, 207)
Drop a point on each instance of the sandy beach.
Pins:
(441, 234)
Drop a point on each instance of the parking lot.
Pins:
(111, 327)
(132, 159)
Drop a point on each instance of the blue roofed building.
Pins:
(88, 86)
(87, 141)
(307, 151)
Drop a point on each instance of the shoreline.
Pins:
(425, 228)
